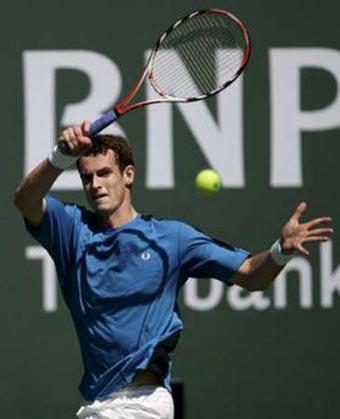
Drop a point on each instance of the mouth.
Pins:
(98, 197)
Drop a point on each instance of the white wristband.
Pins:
(60, 160)
(278, 257)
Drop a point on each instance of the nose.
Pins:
(95, 184)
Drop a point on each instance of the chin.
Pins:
(103, 211)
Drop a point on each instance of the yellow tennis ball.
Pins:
(208, 181)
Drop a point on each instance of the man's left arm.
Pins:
(259, 271)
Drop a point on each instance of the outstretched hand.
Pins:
(295, 233)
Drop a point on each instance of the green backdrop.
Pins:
(241, 355)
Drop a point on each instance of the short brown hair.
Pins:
(118, 144)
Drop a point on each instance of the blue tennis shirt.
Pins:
(121, 285)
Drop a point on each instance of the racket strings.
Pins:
(180, 69)
(232, 60)
(180, 82)
(171, 74)
(198, 56)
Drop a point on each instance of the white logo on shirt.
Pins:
(145, 256)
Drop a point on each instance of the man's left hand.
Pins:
(295, 233)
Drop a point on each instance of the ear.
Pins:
(129, 175)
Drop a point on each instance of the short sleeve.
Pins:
(203, 256)
(56, 233)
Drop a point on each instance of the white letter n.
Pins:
(220, 141)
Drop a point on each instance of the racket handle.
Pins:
(102, 122)
(97, 126)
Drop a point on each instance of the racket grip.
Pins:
(102, 122)
(98, 125)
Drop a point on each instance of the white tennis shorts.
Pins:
(142, 402)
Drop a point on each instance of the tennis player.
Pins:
(120, 272)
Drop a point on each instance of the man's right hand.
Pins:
(77, 140)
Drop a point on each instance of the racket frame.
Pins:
(121, 108)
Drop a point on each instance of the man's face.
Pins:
(104, 184)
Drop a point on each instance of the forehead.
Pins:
(89, 164)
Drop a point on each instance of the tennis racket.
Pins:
(197, 57)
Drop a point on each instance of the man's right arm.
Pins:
(29, 197)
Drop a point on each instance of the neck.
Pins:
(122, 215)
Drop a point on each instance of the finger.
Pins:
(78, 132)
(315, 239)
(64, 135)
(70, 136)
(86, 125)
(300, 209)
(71, 147)
(319, 220)
(322, 231)
(302, 250)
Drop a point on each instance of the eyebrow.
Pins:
(102, 169)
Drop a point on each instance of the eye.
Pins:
(104, 173)
(86, 178)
